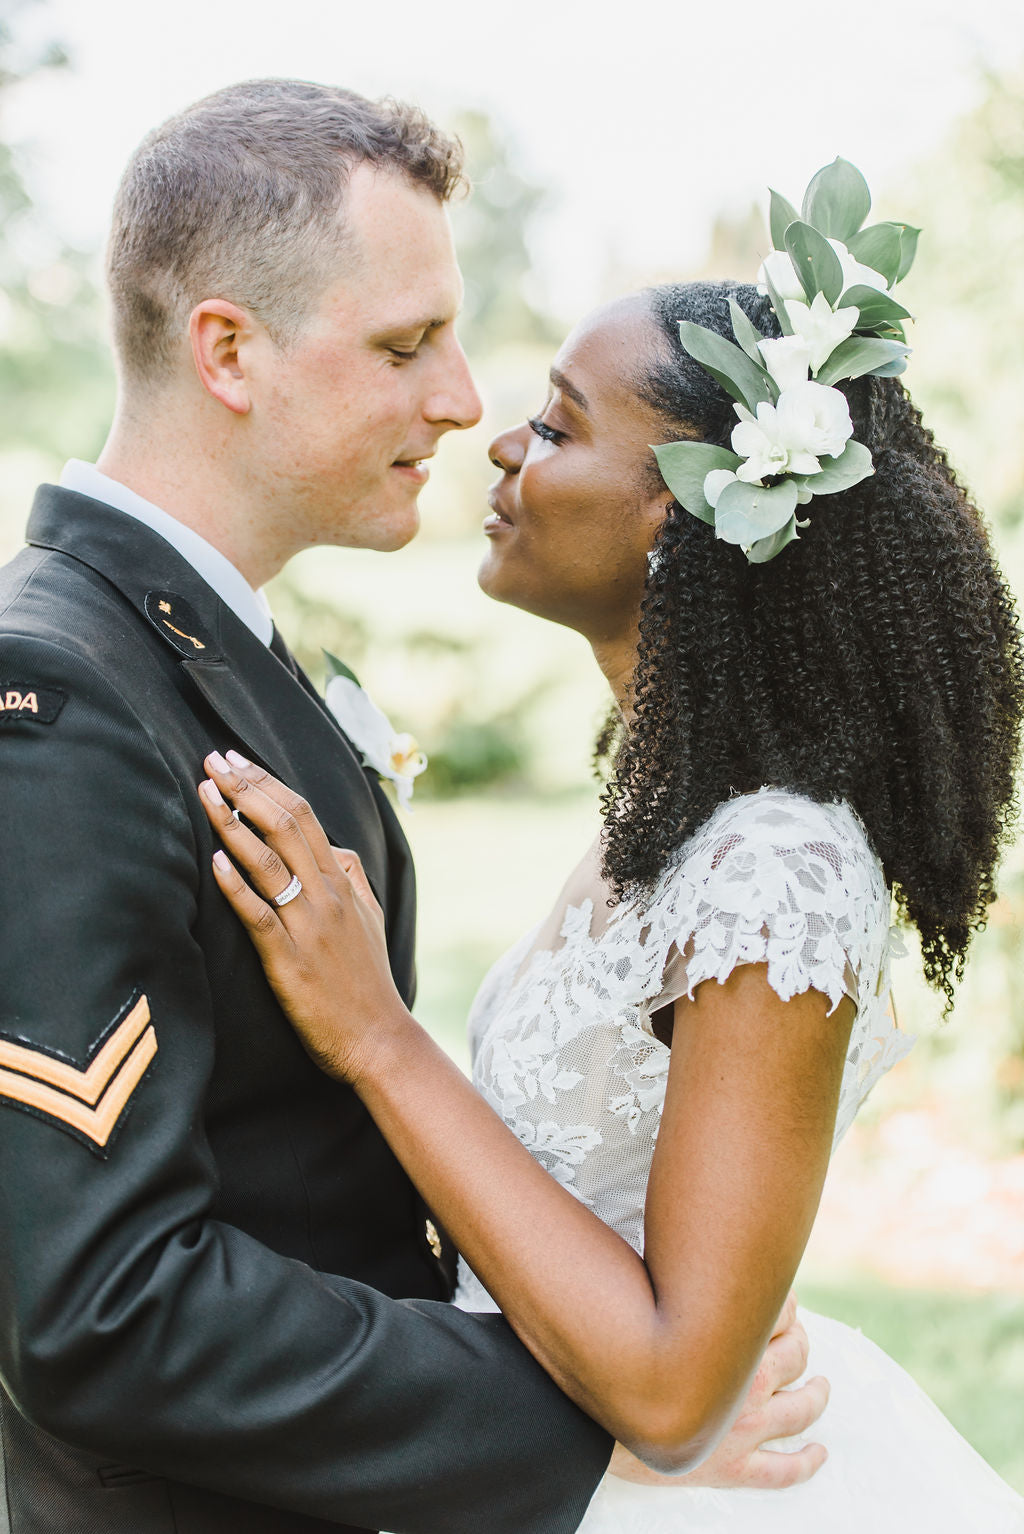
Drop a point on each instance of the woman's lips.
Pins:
(498, 518)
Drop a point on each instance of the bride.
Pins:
(818, 683)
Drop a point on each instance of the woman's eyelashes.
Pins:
(543, 430)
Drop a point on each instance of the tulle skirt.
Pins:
(895, 1466)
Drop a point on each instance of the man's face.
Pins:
(344, 418)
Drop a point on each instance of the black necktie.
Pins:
(285, 656)
(281, 650)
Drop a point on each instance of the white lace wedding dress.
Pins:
(564, 1051)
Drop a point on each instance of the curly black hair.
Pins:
(878, 660)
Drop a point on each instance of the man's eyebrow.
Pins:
(563, 385)
(415, 326)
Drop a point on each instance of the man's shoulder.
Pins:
(40, 589)
(68, 637)
(55, 606)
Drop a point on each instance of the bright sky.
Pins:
(645, 118)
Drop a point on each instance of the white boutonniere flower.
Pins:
(392, 754)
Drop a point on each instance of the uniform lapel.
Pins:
(273, 720)
(265, 709)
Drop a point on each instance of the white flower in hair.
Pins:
(717, 479)
(395, 756)
(787, 360)
(828, 412)
(794, 441)
(778, 267)
(715, 482)
(771, 443)
(809, 422)
(855, 273)
(819, 327)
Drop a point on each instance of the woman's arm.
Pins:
(659, 1350)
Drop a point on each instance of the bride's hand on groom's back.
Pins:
(770, 1411)
(323, 946)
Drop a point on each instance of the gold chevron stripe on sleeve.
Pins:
(88, 1084)
(97, 1123)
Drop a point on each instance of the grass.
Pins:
(966, 1351)
(488, 867)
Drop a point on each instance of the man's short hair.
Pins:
(240, 197)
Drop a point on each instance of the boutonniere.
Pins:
(391, 754)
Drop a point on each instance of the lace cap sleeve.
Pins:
(776, 878)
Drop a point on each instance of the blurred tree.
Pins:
(56, 380)
(968, 289)
(492, 234)
(967, 374)
(738, 245)
(1007, 941)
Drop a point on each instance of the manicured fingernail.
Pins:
(238, 761)
(218, 761)
(212, 792)
(222, 861)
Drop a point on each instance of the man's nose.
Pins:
(455, 403)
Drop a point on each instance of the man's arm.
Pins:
(137, 1326)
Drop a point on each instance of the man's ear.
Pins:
(219, 331)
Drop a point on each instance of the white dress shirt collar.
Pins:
(215, 569)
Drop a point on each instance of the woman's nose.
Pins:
(508, 450)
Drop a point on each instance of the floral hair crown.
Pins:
(828, 279)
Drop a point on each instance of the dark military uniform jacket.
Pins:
(221, 1308)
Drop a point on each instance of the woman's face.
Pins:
(576, 510)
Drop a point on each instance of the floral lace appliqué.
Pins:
(563, 1045)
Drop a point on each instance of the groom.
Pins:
(200, 1232)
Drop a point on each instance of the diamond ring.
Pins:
(291, 889)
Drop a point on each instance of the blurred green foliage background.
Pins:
(507, 707)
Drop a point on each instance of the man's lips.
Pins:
(414, 468)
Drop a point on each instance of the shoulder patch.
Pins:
(25, 703)
(178, 622)
(88, 1100)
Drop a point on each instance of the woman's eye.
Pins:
(543, 430)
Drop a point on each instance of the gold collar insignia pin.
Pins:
(179, 623)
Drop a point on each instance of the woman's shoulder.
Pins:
(778, 826)
(777, 877)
